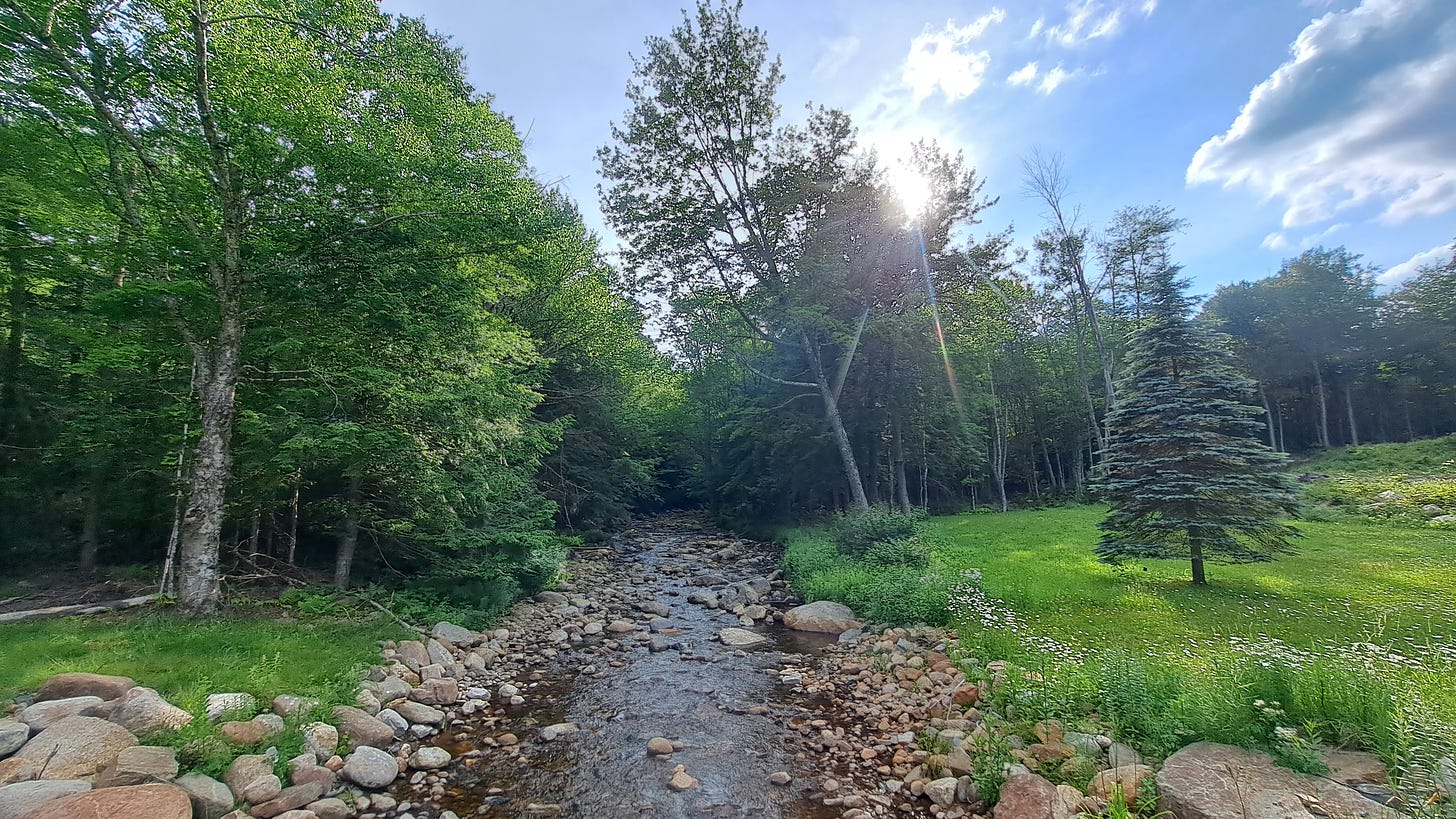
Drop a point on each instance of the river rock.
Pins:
(245, 769)
(438, 654)
(1130, 777)
(255, 731)
(429, 758)
(1207, 780)
(740, 637)
(620, 627)
(22, 798)
(140, 765)
(320, 739)
(289, 705)
(210, 798)
(391, 689)
(263, 789)
(419, 713)
(370, 768)
(942, 791)
(824, 616)
(42, 715)
(1119, 755)
(232, 704)
(17, 770)
(439, 691)
(290, 799)
(13, 734)
(456, 635)
(360, 729)
(397, 723)
(560, 729)
(142, 710)
(76, 684)
(681, 780)
(661, 746)
(1356, 768)
(131, 802)
(328, 809)
(1028, 796)
(77, 748)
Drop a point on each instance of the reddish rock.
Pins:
(1210, 781)
(130, 802)
(77, 748)
(1130, 777)
(74, 684)
(1028, 796)
(967, 694)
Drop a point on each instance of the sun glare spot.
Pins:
(912, 189)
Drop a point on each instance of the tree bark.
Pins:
(293, 520)
(1324, 412)
(902, 491)
(344, 557)
(1196, 551)
(1350, 414)
(1268, 418)
(91, 523)
(200, 540)
(836, 425)
(998, 446)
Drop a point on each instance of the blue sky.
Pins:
(1270, 125)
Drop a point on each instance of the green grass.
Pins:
(186, 660)
(1353, 636)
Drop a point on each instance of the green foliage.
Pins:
(855, 532)
(891, 584)
(1184, 471)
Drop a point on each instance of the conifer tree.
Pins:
(1186, 473)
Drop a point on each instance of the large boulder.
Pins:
(371, 768)
(823, 616)
(22, 798)
(1211, 781)
(17, 770)
(77, 748)
(143, 711)
(289, 799)
(131, 802)
(361, 729)
(457, 635)
(13, 734)
(1028, 796)
(42, 715)
(63, 686)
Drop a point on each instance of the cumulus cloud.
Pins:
(1275, 241)
(1087, 20)
(1360, 115)
(1438, 255)
(945, 59)
(1045, 81)
(1025, 75)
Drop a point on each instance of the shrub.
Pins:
(908, 553)
(901, 596)
(855, 532)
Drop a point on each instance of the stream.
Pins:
(724, 708)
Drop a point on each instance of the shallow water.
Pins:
(699, 694)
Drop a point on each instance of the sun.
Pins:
(912, 189)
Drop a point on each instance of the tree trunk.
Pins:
(1324, 412)
(1268, 419)
(998, 446)
(293, 520)
(1350, 414)
(836, 425)
(14, 350)
(91, 524)
(1196, 550)
(201, 537)
(902, 489)
(344, 557)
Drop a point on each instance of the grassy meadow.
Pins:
(1353, 635)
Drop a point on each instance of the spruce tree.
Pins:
(1185, 471)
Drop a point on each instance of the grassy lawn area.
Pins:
(1349, 581)
(186, 660)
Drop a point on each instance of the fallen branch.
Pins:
(82, 608)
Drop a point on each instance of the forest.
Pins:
(281, 286)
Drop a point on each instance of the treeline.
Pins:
(278, 282)
(845, 350)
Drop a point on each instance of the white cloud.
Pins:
(1438, 255)
(1275, 241)
(944, 59)
(1087, 20)
(1053, 79)
(1149, 6)
(1025, 75)
(1360, 115)
(837, 54)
